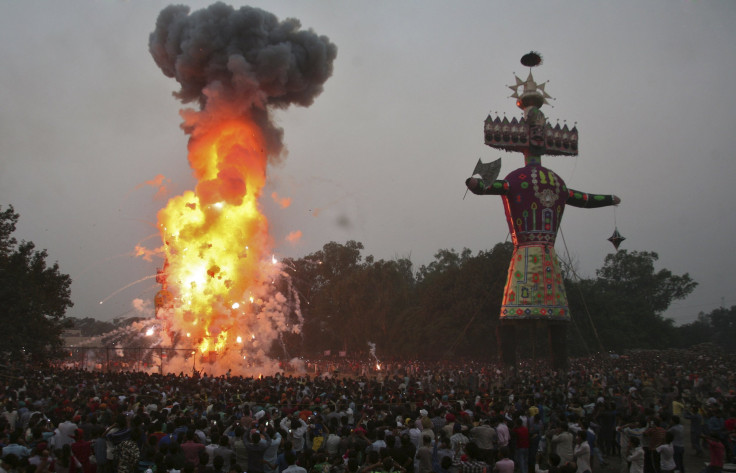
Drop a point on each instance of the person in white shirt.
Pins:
(581, 453)
(635, 456)
(562, 443)
(297, 430)
(502, 433)
(667, 454)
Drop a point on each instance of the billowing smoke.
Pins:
(219, 292)
(246, 57)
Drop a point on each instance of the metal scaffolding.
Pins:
(111, 358)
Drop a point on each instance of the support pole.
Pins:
(558, 345)
(506, 342)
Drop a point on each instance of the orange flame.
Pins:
(216, 237)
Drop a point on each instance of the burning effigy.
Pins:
(223, 293)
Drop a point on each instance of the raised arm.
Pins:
(590, 201)
(477, 186)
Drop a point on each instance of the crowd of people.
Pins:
(642, 412)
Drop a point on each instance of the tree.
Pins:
(622, 308)
(723, 322)
(90, 327)
(719, 327)
(633, 273)
(34, 297)
(444, 260)
(374, 297)
(458, 303)
(325, 282)
(451, 306)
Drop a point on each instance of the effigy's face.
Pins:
(536, 122)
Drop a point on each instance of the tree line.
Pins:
(350, 301)
(450, 307)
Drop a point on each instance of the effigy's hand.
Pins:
(473, 184)
(616, 200)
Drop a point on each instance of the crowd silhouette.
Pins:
(639, 413)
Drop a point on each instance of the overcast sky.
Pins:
(86, 118)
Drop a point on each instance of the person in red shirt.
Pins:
(730, 424)
(717, 454)
(521, 450)
(82, 449)
(191, 448)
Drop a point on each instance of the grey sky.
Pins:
(86, 118)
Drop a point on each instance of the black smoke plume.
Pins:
(246, 58)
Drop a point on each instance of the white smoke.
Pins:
(372, 351)
(143, 307)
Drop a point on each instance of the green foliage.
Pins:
(450, 307)
(622, 308)
(348, 302)
(633, 274)
(717, 327)
(459, 297)
(8, 221)
(444, 261)
(33, 296)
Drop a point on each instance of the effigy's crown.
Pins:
(528, 93)
(531, 131)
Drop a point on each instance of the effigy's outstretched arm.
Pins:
(479, 187)
(590, 201)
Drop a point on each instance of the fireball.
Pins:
(215, 237)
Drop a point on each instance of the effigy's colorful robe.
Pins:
(534, 199)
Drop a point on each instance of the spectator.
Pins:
(504, 464)
(717, 453)
(581, 453)
(291, 462)
(635, 456)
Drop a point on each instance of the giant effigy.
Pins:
(534, 198)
